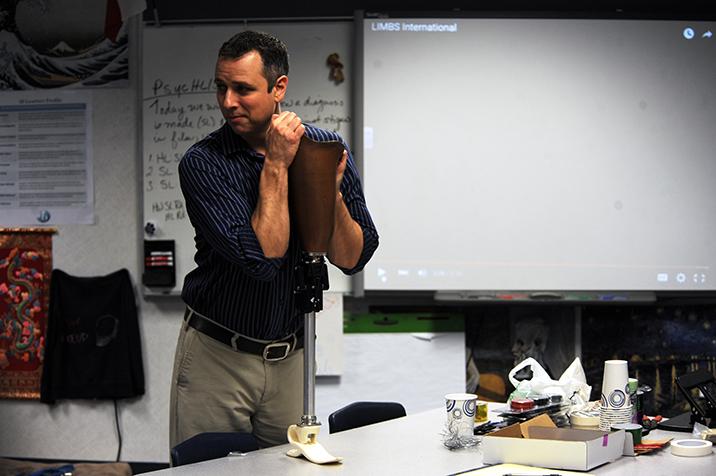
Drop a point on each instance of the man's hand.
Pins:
(270, 220)
(346, 243)
(283, 137)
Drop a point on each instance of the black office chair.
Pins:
(205, 446)
(359, 414)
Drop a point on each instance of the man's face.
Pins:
(243, 95)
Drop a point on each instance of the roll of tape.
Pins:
(691, 447)
(590, 419)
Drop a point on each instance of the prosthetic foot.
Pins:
(303, 439)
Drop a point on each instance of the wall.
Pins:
(85, 429)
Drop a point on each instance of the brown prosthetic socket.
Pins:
(312, 192)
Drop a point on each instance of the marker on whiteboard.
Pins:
(546, 296)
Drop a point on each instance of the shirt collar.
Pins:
(233, 143)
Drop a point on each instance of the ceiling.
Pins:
(172, 11)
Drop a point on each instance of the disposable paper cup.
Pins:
(615, 385)
(633, 428)
(460, 409)
(609, 416)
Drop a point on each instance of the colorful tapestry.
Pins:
(25, 268)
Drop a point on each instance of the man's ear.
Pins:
(279, 88)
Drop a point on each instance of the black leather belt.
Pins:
(271, 351)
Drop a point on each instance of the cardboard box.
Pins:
(538, 442)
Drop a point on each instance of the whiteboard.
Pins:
(179, 108)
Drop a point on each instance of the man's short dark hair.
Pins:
(272, 51)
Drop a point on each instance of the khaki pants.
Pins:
(217, 389)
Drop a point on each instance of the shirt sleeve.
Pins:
(355, 202)
(221, 213)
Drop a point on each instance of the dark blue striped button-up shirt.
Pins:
(234, 283)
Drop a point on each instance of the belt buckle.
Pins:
(235, 338)
(267, 351)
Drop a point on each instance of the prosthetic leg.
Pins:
(312, 192)
(312, 278)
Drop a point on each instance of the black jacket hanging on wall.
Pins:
(93, 348)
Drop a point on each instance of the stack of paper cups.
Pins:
(616, 406)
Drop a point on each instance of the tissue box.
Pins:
(538, 442)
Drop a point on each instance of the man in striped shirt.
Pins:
(239, 358)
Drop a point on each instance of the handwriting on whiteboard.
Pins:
(178, 114)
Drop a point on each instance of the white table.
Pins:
(413, 445)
